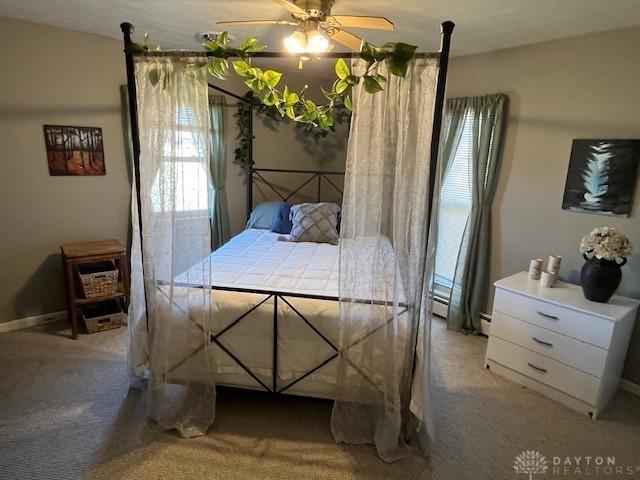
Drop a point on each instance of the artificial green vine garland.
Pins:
(245, 136)
(295, 105)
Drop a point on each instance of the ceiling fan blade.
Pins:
(376, 23)
(293, 8)
(257, 22)
(346, 38)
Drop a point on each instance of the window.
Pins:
(182, 182)
(455, 204)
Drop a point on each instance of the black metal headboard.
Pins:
(314, 175)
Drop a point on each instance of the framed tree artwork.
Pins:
(602, 176)
(74, 150)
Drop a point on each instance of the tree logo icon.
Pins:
(530, 462)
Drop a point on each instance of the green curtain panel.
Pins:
(471, 279)
(218, 169)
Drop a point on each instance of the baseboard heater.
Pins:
(441, 308)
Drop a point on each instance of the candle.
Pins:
(553, 264)
(535, 268)
(547, 279)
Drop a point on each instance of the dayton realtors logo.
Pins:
(532, 462)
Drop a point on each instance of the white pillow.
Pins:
(315, 222)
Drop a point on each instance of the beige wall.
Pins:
(77, 83)
(584, 87)
(280, 144)
(54, 76)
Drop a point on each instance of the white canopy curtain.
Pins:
(383, 261)
(173, 115)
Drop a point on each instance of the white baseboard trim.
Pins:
(33, 321)
(630, 387)
(441, 308)
(486, 326)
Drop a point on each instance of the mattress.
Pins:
(259, 263)
(263, 260)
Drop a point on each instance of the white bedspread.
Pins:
(259, 261)
(256, 259)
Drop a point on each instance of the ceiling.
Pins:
(482, 25)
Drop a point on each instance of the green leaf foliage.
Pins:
(403, 52)
(251, 45)
(398, 69)
(352, 80)
(135, 48)
(271, 78)
(341, 86)
(270, 98)
(290, 99)
(315, 120)
(219, 68)
(371, 84)
(347, 103)
(242, 68)
(255, 84)
(342, 69)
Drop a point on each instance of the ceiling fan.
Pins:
(315, 23)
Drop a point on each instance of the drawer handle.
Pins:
(537, 369)
(542, 342)
(546, 315)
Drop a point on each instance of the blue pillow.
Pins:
(262, 215)
(281, 223)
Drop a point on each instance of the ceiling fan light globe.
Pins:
(317, 42)
(296, 42)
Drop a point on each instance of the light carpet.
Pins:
(66, 413)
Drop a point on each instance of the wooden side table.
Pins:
(74, 254)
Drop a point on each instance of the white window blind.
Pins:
(181, 184)
(455, 204)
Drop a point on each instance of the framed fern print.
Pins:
(602, 176)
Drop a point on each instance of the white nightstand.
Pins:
(555, 341)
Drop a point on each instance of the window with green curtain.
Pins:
(454, 208)
(471, 160)
(220, 230)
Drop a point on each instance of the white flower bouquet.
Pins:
(606, 243)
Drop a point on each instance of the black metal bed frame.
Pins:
(282, 296)
(257, 173)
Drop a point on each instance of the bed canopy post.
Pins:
(132, 95)
(446, 29)
(127, 31)
(250, 165)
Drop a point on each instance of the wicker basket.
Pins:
(102, 316)
(98, 279)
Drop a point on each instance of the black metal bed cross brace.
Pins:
(320, 175)
(277, 296)
(215, 338)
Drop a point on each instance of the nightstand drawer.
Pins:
(572, 323)
(574, 353)
(545, 370)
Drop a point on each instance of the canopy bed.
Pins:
(346, 320)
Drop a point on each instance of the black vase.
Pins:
(600, 278)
